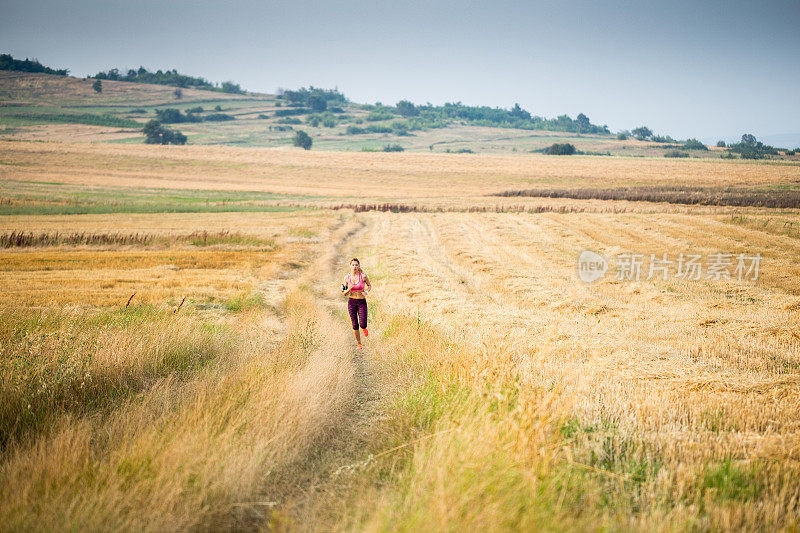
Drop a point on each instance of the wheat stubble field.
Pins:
(175, 353)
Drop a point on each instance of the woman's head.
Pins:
(355, 265)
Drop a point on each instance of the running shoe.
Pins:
(358, 347)
(366, 333)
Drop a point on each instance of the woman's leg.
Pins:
(352, 309)
(362, 313)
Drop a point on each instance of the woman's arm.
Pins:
(346, 284)
(367, 283)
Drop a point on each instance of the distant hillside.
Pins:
(169, 77)
(54, 107)
(7, 62)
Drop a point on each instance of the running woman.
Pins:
(354, 286)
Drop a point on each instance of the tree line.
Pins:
(168, 77)
(7, 62)
(515, 117)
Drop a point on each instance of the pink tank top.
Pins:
(358, 286)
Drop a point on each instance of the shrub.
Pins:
(155, 133)
(393, 148)
(317, 103)
(294, 121)
(262, 116)
(302, 139)
(663, 139)
(676, 153)
(97, 86)
(198, 109)
(355, 130)
(219, 117)
(376, 128)
(720, 144)
(407, 109)
(313, 121)
(560, 149)
(171, 115)
(622, 137)
(642, 133)
(138, 111)
(694, 144)
(217, 107)
(329, 122)
(379, 114)
(230, 87)
(291, 112)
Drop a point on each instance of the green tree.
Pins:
(519, 113)
(720, 144)
(583, 122)
(642, 133)
(230, 87)
(302, 139)
(97, 86)
(156, 133)
(749, 139)
(317, 103)
(407, 108)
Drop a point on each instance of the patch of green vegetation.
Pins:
(424, 404)
(730, 481)
(245, 301)
(40, 198)
(66, 118)
(572, 427)
(48, 366)
(717, 420)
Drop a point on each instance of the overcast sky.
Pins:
(707, 69)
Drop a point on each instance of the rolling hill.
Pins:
(50, 107)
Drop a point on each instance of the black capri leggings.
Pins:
(357, 307)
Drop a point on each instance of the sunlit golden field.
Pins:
(176, 354)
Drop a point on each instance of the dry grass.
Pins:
(26, 88)
(651, 405)
(374, 176)
(497, 391)
(23, 239)
(741, 197)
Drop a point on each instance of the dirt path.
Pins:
(302, 489)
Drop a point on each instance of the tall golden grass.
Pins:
(496, 391)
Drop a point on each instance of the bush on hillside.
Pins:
(560, 149)
(302, 139)
(694, 144)
(155, 133)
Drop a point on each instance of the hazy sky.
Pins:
(703, 69)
